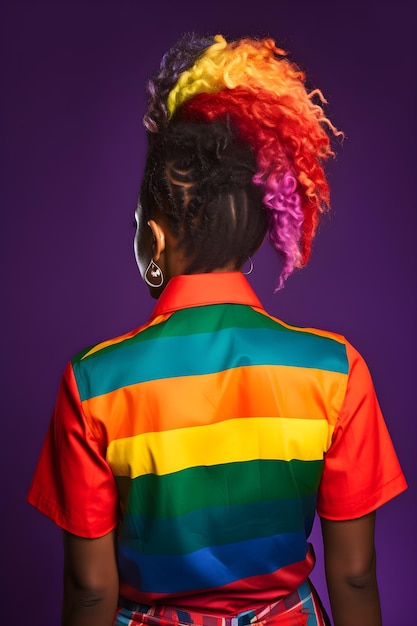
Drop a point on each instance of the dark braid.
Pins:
(200, 177)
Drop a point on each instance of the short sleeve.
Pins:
(361, 469)
(73, 484)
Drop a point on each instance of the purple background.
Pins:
(72, 155)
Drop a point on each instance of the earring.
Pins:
(153, 275)
(250, 270)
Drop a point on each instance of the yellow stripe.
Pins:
(225, 442)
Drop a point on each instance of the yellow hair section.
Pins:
(201, 78)
(249, 63)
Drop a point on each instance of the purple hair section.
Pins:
(178, 58)
(285, 219)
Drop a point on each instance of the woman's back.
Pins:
(215, 419)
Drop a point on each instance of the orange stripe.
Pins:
(182, 402)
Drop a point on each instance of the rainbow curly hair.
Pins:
(251, 84)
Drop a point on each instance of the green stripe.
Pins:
(173, 495)
(203, 319)
(157, 354)
(215, 526)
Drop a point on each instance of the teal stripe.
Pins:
(231, 484)
(214, 526)
(205, 353)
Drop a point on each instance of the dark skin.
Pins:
(90, 569)
(154, 240)
(91, 581)
(350, 563)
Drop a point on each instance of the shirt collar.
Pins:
(191, 290)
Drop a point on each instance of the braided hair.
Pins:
(200, 176)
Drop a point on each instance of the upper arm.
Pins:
(91, 585)
(90, 564)
(349, 548)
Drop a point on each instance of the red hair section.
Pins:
(286, 139)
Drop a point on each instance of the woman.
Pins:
(185, 460)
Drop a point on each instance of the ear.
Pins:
(158, 244)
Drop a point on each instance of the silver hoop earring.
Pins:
(153, 275)
(250, 270)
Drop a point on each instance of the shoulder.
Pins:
(319, 333)
(322, 348)
(103, 367)
(108, 346)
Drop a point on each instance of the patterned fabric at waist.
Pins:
(300, 608)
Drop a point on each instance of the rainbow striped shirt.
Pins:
(211, 435)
